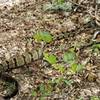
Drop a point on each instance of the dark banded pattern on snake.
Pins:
(20, 60)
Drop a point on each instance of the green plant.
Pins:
(87, 19)
(62, 80)
(75, 68)
(58, 5)
(59, 67)
(96, 48)
(42, 90)
(95, 98)
(58, 1)
(34, 93)
(80, 98)
(69, 57)
(68, 82)
(45, 90)
(43, 36)
(50, 58)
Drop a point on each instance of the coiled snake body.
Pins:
(14, 63)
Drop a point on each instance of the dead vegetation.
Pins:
(75, 33)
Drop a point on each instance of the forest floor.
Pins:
(74, 71)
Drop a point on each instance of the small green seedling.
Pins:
(59, 67)
(75, 68)
(96, 48)
(34, 93)
(58, 5)
(43, 36)
(62, 80)
(69, 57)
(95, 98)
(43, 90)
(50, 58)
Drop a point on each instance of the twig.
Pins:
(77, 4)
(95, 35)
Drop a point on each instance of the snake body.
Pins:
(20, 60)
(17, 62)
